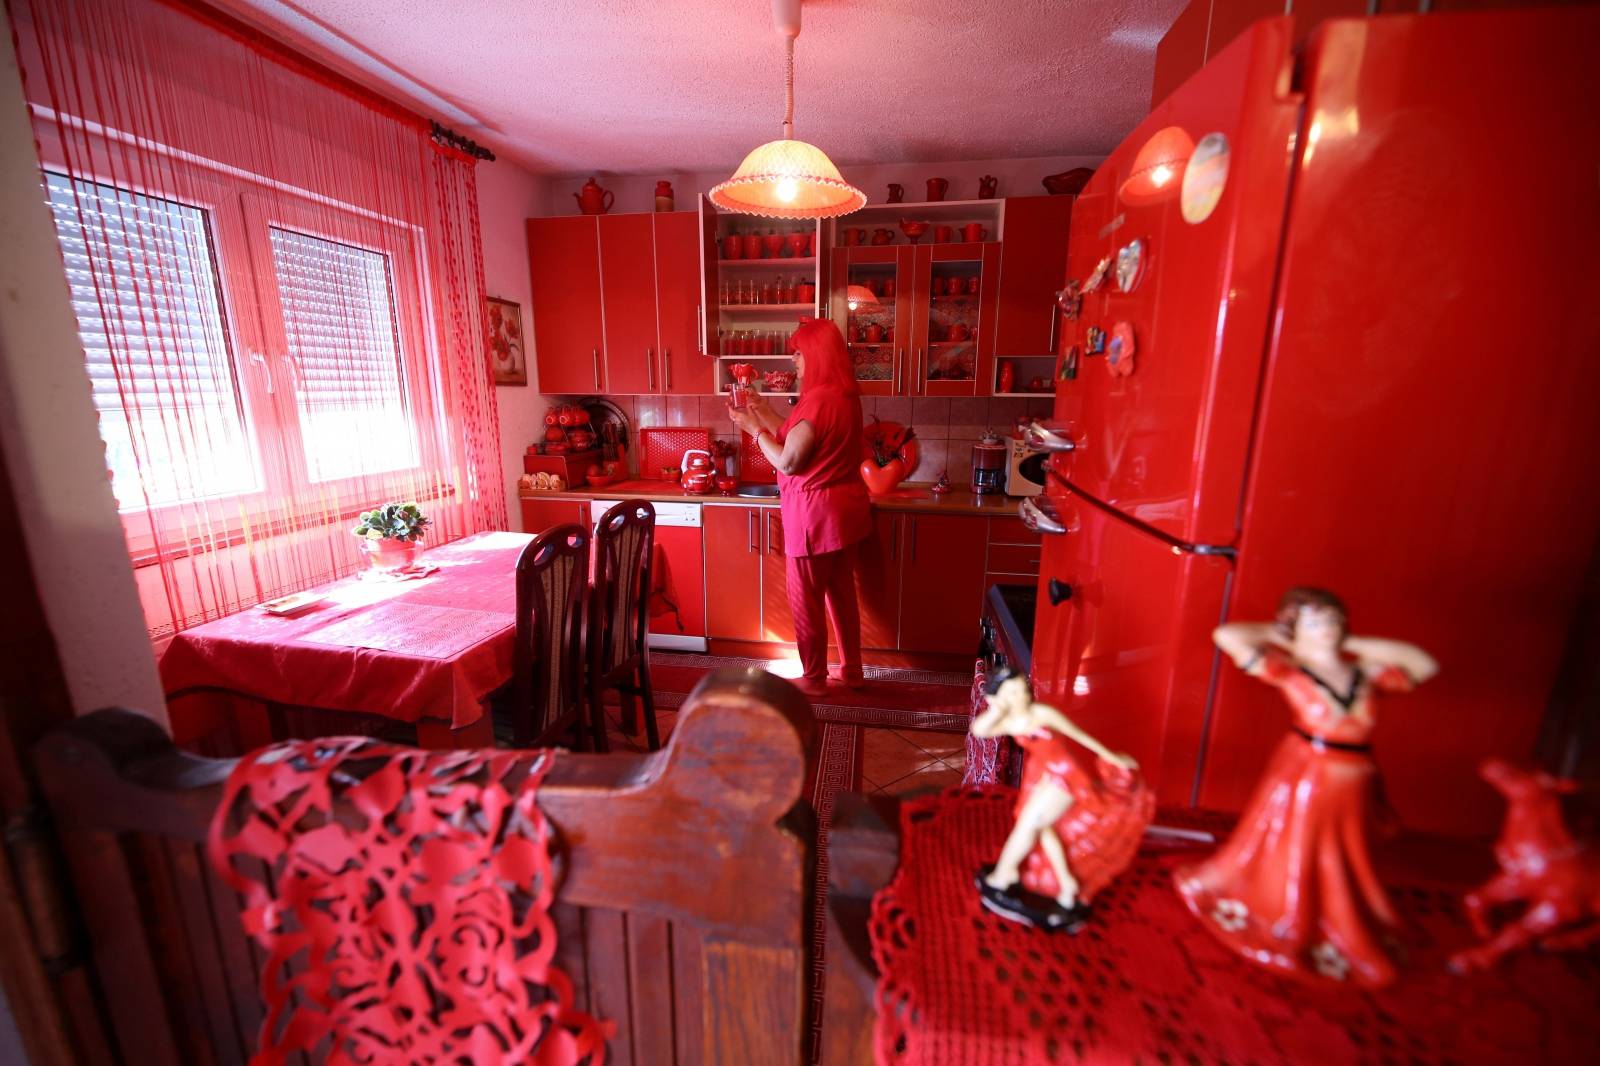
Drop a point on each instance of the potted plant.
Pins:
(391, 536)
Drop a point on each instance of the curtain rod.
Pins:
(451, 139)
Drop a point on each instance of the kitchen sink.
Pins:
(758, 492)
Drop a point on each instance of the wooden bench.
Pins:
(682, 913)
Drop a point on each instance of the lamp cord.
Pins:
(788, 88)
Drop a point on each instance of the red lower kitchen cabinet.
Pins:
(878, 583)
(941, 593)
(540, 515)
(733, 572)
(777, 621)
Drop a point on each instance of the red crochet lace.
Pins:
(1145, 982)
(411, 926)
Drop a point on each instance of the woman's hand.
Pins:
(746, 419)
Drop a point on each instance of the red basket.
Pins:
(665, 445)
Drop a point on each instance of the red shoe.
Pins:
(812, 686)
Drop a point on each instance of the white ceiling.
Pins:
(632, 86)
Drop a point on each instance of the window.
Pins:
(338, 316)
(190, 392)
(151, 291)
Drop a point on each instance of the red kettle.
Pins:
(698, 471)
(593, 200)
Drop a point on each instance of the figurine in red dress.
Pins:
(1075, 829)
(1293, 888)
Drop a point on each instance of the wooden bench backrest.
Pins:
(682, 911)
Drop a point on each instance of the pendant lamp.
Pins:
(1158, 168)
(859, 296)
(787, 178)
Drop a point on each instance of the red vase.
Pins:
(882, 480)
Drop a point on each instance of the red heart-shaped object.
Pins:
(882, 480)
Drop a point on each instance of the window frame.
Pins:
(238, 218)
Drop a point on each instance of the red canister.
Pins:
(805, 293)
(752, 246)
(732, 247)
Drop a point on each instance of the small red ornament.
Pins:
(1552, 877)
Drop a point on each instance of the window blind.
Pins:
(339, 317)
(150, 313)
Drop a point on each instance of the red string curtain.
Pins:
(279, 285)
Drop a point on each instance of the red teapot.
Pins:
(882, 236)
(698, 471)
(593, 200)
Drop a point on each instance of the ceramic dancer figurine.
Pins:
(1075, 828)
(1293, 888)
(1547, 893)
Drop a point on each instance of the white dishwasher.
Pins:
(678, 600)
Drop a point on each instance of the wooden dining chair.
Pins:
(619, 657)
(682, 906)
(548, 696)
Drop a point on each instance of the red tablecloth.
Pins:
(1144, 982)
(431, 647)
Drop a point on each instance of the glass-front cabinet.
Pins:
(919, 318)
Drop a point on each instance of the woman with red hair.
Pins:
(817, 452)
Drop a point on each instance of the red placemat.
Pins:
(664, 446)
(1145, 982)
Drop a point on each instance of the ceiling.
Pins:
(637, 86)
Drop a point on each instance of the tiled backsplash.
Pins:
(947, 427)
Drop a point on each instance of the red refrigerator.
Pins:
(1357, 345)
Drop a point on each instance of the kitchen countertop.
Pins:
(911, 496)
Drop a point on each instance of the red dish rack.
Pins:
(664, 446)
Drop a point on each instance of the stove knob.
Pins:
(1059, 590)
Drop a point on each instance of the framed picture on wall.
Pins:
(507, 352)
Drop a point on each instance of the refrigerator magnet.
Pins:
(1069, 364)
(1098, 278)
(1070, 300)
(1119, 356)
(1094, 341)
(1130, 265)
(1204, 178)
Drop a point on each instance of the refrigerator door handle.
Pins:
(1039, 514)
(1050, 436)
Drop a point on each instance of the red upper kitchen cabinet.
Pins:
(941, 586)
(955, 291)
(1033, 257)
(685, 368)
(733, 575)
(628, 292)
(877, 323)
(564, 264)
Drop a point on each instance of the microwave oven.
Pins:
(1025, 471)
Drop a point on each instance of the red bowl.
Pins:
(726, 483)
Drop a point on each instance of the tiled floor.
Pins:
(895, 762)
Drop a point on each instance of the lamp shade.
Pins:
(859, 296)
(788, 179)
(1158, 168)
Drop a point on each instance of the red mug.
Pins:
(942, 234)
(805, 293)
(732, 247)
(973, 232)
(937, 188)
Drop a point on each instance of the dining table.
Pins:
(425, 649)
